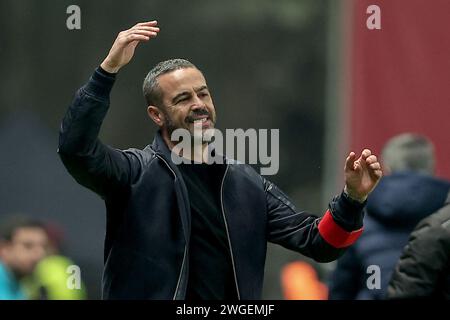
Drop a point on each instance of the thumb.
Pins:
(134, 44)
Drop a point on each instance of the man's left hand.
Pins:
(361, 175)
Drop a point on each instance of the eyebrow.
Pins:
(201, 88)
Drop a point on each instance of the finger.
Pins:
(349, 162)
(155, 29)
(134, 37)
(148, 23)
(371, 159)
(378, 173)
(366, 153)
(140, 31)
(375, 166)
(146, 33)
(150, 34)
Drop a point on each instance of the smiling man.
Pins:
(178, 98)
(184, 85)
(192, 231)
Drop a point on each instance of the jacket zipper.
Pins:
(185, 247)
(181, 272)
(228, 235)
(226, 229)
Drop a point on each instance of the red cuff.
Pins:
(334, 234)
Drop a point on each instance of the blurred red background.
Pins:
(400, 75)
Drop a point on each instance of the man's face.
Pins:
(186, 99)
(26, 248)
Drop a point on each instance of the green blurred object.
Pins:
(50, 281)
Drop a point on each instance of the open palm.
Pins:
(123, 48)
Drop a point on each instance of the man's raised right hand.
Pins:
(123, 48)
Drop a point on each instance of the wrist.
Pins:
(108, 68)
(353, 196)
(106, 73)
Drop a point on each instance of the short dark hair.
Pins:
(150, 87)
(11, 224)
(409, 151)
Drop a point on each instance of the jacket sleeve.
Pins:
(323, 239)
(94, 165)
(422, 264)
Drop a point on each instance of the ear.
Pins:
(156, 115)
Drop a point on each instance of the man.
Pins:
(23, 244)
(423, 270)
(406, 195)
(191, 231)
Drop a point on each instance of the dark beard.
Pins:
(171, 127)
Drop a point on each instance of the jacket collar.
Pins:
(160, 147)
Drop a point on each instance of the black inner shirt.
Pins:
(211, 274)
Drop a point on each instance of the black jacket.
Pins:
(423, 270)
(148, 211)
(399, 202)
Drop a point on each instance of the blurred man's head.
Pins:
(23, 243)
(409, 152)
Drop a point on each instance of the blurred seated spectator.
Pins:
(23, 243)
(50, 280)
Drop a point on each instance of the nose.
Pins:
(197, 104)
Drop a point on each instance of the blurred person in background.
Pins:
(23, 243)
(192, 231)
(49, 280)
(423, 270)
(405, 195)
(300, 281)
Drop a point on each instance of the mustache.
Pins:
(190, 118)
